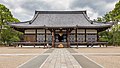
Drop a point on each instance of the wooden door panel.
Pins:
(29, 38)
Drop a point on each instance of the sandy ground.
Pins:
(107, 61)
(18, 50)
(99, 50)
(12, 60)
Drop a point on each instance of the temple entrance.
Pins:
(60, 38)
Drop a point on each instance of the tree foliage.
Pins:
(7, 34)
(112, 36)
(113, 15)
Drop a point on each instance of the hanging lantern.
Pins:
(60, 33)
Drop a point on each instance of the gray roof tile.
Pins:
(59, 19)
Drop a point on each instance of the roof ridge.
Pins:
(60, 12)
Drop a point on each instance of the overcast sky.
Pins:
(24, 9)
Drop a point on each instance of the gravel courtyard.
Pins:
(11, 57)
(107, 57)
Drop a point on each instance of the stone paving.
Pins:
(60, 58)
(38, 57)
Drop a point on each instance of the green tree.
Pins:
(99, 19)
(113, 36)
(7, 34)
(116, 11)
(107, 17)
(116, 34)
(113, 15)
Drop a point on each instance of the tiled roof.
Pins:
(60, 19)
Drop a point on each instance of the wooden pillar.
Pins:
(23, 37)
(45, 35)
(53, 37)
(68, 39)
(76, 37)
(36, 34)
(45, 39)
(97, 36)
(85, 35)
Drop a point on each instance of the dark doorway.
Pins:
(59, 38)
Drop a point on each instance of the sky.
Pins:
(24, 9)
